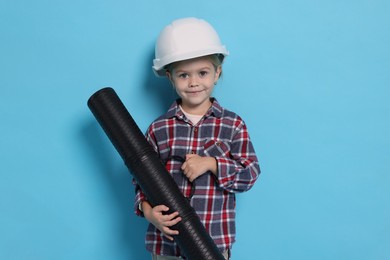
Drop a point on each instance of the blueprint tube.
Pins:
(144, 164)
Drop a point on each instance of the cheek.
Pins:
(179, 85)
(178, 91)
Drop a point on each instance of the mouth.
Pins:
(194, 92)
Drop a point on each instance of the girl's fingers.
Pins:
(169, 217)
(161, 208)
(169, 237)
(173, 215)
(190, 155)
(172, 222)
(169, 231)
(183, 166)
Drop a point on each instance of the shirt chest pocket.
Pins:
(216, 148)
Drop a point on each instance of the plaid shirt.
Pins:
(220, 134)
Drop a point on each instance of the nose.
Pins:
(194, 82)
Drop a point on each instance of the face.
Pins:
(194, 81)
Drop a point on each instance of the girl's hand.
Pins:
(159, 220)
(196, 165)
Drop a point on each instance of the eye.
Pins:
(183, 75)
(203, 73)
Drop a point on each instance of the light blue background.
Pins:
(310, 78)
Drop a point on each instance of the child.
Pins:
(205, 147)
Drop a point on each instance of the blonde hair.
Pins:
(215, 59)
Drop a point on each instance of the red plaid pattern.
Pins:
(221, 134)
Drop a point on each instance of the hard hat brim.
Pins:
(159, 65)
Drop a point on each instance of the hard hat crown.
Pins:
(185, 39)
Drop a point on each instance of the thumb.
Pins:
(190, 155)
(161, 208)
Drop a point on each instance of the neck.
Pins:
(197, 110)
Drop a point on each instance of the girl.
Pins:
(206, 148)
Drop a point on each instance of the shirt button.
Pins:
(218, 143)
(195, 129)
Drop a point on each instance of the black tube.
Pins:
(151, 175)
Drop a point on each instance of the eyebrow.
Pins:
(185, 71)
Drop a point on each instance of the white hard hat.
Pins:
(185, 39)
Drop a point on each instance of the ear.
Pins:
(169, 76)
(218, 72)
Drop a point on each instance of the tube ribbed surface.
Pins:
(155, 181)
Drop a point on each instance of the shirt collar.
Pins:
(214, 110)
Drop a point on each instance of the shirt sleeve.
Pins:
(139, 198)
(239, 168)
